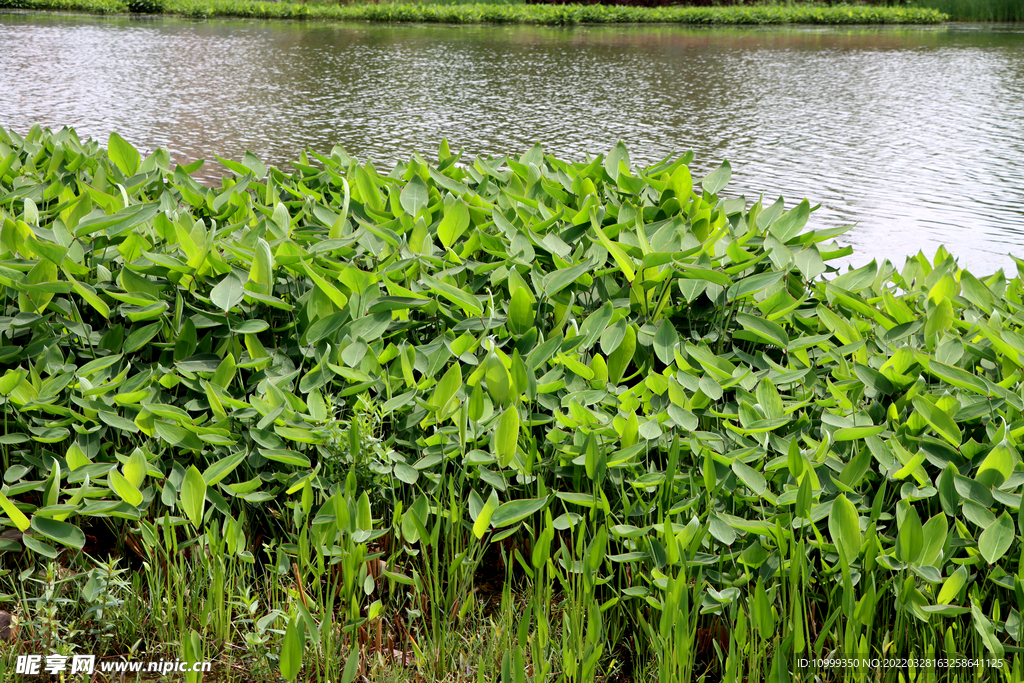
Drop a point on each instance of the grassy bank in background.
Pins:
(503, 13)
(978, 10)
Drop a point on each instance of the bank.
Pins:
(554, 15)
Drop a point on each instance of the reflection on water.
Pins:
(916, 135)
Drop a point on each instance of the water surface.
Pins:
(916, 135)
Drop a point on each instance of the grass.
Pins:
(977, 10)
(514, 419)
(557, 15)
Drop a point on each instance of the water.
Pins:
(915, 135)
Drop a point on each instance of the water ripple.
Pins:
(915, 135)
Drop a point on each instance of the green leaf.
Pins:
(952, 586)
(262, 271)
(291, 649)
(447, 387)
(124, 156)
(520, 312)
(717, 179)
(935, 532)
(454, 223)
(228, 293)
(467, 301)
(38, 546)
(665, 340)
(293, 458)
(754, 283)
(124, 489)
(10, 381)
(560, 279)
(141, 336)
(939, 420)
(16, 515)
(222, 468)
(874, 379)
(414, 196)
(624, 262)
(332, 292)
(90, 296)
(997, 466)
(910, 538)
(857, 433)
(997, 538)
(516, 511)
(753, 479)
(681, 183)
(791, 223)
(483, 520)
(844, 527)
(405, 473)
(618, 154)
(61, 532)
(768, 330)
(506, 436)
(987, 632)
(136, 468)
(193, 495)
(620, 358)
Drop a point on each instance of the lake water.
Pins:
(916, 135)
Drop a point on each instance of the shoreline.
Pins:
(490, 14)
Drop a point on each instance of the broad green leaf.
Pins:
(997, 538)
(791, 223)
(952, 586)
(446, 388)
(516, 511)
(520, 312)
(483, 520)
(665, 340)
(681, 183)
(454, 223)
(16, 515)
(753, 479)
(466, 301)
(987, 632)
(291, 649)
(193, 496)
(844, 528)
(61, 532)
(414, 196)
(617, 155)
(939, 420)
(766, 329)
(124, 489)
(506, 436)
(717, 179)
(222, 468)
(124, 156)
(998, 465)
(560, 279)
(228, 293)
(623, 261)
(136, 468)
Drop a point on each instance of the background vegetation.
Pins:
(513, 419)
(977, 10)
(499, 13)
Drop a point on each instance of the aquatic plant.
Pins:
(694, 443)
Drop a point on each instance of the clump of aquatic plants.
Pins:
(694, 444)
